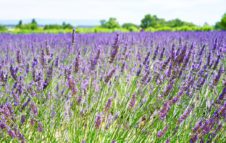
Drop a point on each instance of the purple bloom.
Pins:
(40, 127)
(162, 132)
(19, 57)
(108, 104)
(132, 101)
(115, 49)
(76, 63)
(98, 121)
(11, 133)
(34, 108)
(161, 54)
(94, 61)
(155, 53)
(109, 75)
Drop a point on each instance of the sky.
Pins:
(196, 11)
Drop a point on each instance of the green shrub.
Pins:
(3, 28)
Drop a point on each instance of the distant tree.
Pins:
(102, 22)
(126, 25)
(175, 23)
(130, 26)
(3, 28)
(66, 26)
(149, 21)
(111, 23)
(57, 26)
(221, 25)
(33, 25)
(52, 26)
(154, 22)
(20, 23)
(33, 21)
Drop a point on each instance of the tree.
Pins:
(130, 26)
(112, 23)
(33, 21)
(222, 23)
(175, 23)
(102, 22)
(20, 23)
(66, 26)
(3, 28)
(149, 21)
(33, 25)
(127, 25)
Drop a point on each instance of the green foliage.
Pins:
(3, 28)
(162, 25)
(131, 27)
(206, 27)
(52, 26)
(149, 21)
(178, 23)
(111, 23)
(58, 27)
(67, 26)
(150, 29)
(19, 25)
(30, 26)
(222, 24)
(175, 23)
(34, 22)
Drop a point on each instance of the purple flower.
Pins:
(166, 107)
(208, 59)
(25, 104)
(185, 115)
(216, 62)
(98, 121)
(34, 63)
(34, 108)
(71, 84)
(132, 101)
(2, 125)
(161, 54)
(223, 94)
(155, 53)
(168, 88)
(108, 104)
(40, 127)
(56, 62)
(11, 133)
(146, 58)
(115, 49)
(139, 70)
(109, 75)
(18, 57)
(13, 72)
(193, 139)
(162, 132)
(217, 77)
(197, 126)
(94, 61)
(42, 58)
(76, 63)
(23, 119)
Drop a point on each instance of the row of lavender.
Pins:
(119, 87)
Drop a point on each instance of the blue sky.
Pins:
(196, 11)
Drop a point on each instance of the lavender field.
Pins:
(113, 88)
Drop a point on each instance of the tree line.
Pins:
(148, 23)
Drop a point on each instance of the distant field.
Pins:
(113, 88)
